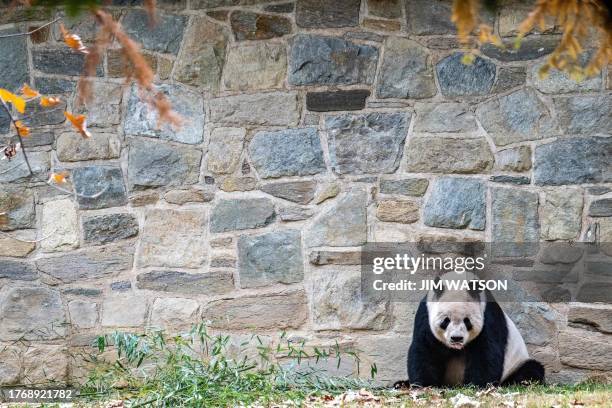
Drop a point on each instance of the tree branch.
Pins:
(14, 121)
(31, 32)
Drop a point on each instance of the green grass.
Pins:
(197, 369)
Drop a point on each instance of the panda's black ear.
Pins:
(475, 293)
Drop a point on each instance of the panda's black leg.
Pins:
(530, 372)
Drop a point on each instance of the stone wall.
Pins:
(310, 128)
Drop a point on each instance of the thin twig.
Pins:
(14, 121)
(31, 32)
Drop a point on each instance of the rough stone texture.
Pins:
(516, 117)
(205, 54)
(13, 54)
(37, 116)
(17, 244)
(291, 152)
(224, 150)
(573, 161)
(271, 109)
(54, 86)
(601, 208)
(60, 61)
(513, 159)
(316, 60)
(173, 312)
(59, 226)
(208, 284)
(458, 79)
(509, 77)
(515, 220)
(10, 365)
(102, 229)
(402, 211)
(88, 265)
(99, 187)
(335, 258)
(559, 82)
(16, 170)
(427, 17)
(448, 155)
(275, 257)
(381, 25)
(141, 120)
(247, 25)
(17, 209)
(240, 214)
(456, 203)
(301, 192)
(414, 187)
(584, 350)
(42, 364)
(444, 117)
(337, 304)
(294, 213)
(337, 100)
(255, 66)
(277, 311)
(72, 147)
(596, 316)
(173, 238)
(585, 114)
(17, 270)
(385, 8)
(327, 14)
(562, 214)
(107, 102)
(518, 180)
(366, 143)
(83, 314)
(124, 311)
(155, 164)
(164, 37)
(344, 224)
(406, 71)
(31, 313)
(532, 47)
(181, 197)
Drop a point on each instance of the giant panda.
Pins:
(463, 337)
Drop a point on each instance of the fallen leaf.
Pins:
(49, 101)
(28, 92)
(18, 102)
(79, 122)
(73, 41)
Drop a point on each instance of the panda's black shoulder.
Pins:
(495, 327)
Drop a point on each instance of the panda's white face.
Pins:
(455, 318)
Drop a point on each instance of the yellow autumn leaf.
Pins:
(28, 92)
(22, 129)
(79, 122)
(59, 178)
(18, 102)
(49, 101)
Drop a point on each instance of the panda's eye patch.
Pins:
(445, 323)
(468, 324)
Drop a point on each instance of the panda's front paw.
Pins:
(401, 384)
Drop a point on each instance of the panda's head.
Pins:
(456, 317)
